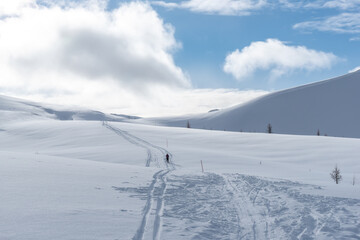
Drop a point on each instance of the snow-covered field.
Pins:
(107, 180)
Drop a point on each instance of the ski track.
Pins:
(152, 212)
(160, 207)
(280, 210)
(151, 224)
(154, 153)
(141, 230)
(250, 226)
(235, 206)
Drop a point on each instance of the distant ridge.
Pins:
(14, 108)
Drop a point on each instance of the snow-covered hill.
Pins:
(15, 109)
(330, 106)
(93, 180)
(103, 179)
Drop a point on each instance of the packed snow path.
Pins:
(155, 154)
(234, 206)
(151, 224)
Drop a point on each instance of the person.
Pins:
(167, 158)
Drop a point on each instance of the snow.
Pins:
(92, 178)
(13, 108)
(329, 106)
(46, 197)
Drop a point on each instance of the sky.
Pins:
(160, 58)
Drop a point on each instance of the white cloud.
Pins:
(355, 69)
(342, 4)
(342, 23)
(14, 7)
(129, 45)
(318, 4)
(346, 22)
(221, 7)
(247, 7)
(78, 53)
(203, 100)
(275, 56)
(73, 53)
(162, 101)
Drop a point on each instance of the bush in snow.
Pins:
(335, 175)
(269, 128)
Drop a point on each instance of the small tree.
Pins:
(318, 132)
(188, 124)
(269, 128)
(335, 175)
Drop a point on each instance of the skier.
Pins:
(167, 158)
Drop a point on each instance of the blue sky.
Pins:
(207, 38)
(154, 58)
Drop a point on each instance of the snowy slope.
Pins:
(330, 106)
(86, 180)
(13, 108)
(89, 180)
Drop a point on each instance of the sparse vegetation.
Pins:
(335, 175)
(269, 128)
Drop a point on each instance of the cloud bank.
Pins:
(347, 21)
(130, 45)
(247, 7)
(14, 7)
(342, 23)
(339, 4)
(79, 53)
(275, 56)
(220, 7)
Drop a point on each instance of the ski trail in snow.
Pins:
(155, 154)
(321, 221)
(236, 206)
(154, 207)
(243, 208)
(160, 207)
(253, 213)
(140, 232)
